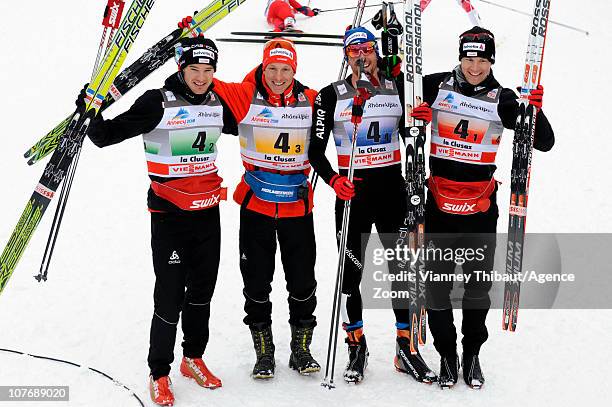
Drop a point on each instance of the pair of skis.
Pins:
(106, 86)
(149, 62)
(72, 138)
(521, 163)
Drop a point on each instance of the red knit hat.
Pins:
(281, 51)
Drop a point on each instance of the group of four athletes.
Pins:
(283, 129)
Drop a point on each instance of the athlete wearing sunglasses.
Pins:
(377, 193)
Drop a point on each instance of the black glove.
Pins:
(307, 11)
(391, 65)
(80, 100)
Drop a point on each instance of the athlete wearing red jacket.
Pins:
(274, 116)
(281, 13)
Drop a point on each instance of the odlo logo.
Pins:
(174, 259)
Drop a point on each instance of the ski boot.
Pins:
(264, 349)
(197, 370)
(161, 391)
(301, 359)
(358, 356)
(406, 362)
(449, 371)
(472, 373)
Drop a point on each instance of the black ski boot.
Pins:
(301, 359)
(406, 362)
(264, 349)
(358, 356)
(472, 374)
(449, 371)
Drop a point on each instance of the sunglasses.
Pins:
(366, 48)
(479, 36)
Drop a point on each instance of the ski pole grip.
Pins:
(357, 110)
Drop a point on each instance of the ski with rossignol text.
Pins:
(522, 152)
(414, 223)
(71, 141)
(150, 61)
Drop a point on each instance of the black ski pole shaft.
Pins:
(44, 264)
(569, 27)
(57, 219)
(358, 102)
(350, 8)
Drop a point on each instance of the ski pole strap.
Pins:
(113, 13)
(390, 44)
(278, 188)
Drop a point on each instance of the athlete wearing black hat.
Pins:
(469, 111)
(180, 125)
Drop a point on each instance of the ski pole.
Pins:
(363, 94)
(569, 27)
(57, 220)
(350, 8)
(361, 5)
(111, 20)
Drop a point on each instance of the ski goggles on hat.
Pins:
(365, 48)
(477, 37)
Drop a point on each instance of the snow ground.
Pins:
(96, 307)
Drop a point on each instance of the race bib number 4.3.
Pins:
(277, 148)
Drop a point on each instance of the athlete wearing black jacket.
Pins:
(469, 111)
(180, 125)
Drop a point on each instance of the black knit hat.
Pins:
(198, 50)
(477, 42)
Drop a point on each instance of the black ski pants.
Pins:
(381, 201)
(186, 248)
(258, 239)
(464, 231)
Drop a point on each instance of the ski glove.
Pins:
(536, 96)
(344, 188)
(422, 112)
(391, 65)
(80, 100)
(185, 22)
(307, 11)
